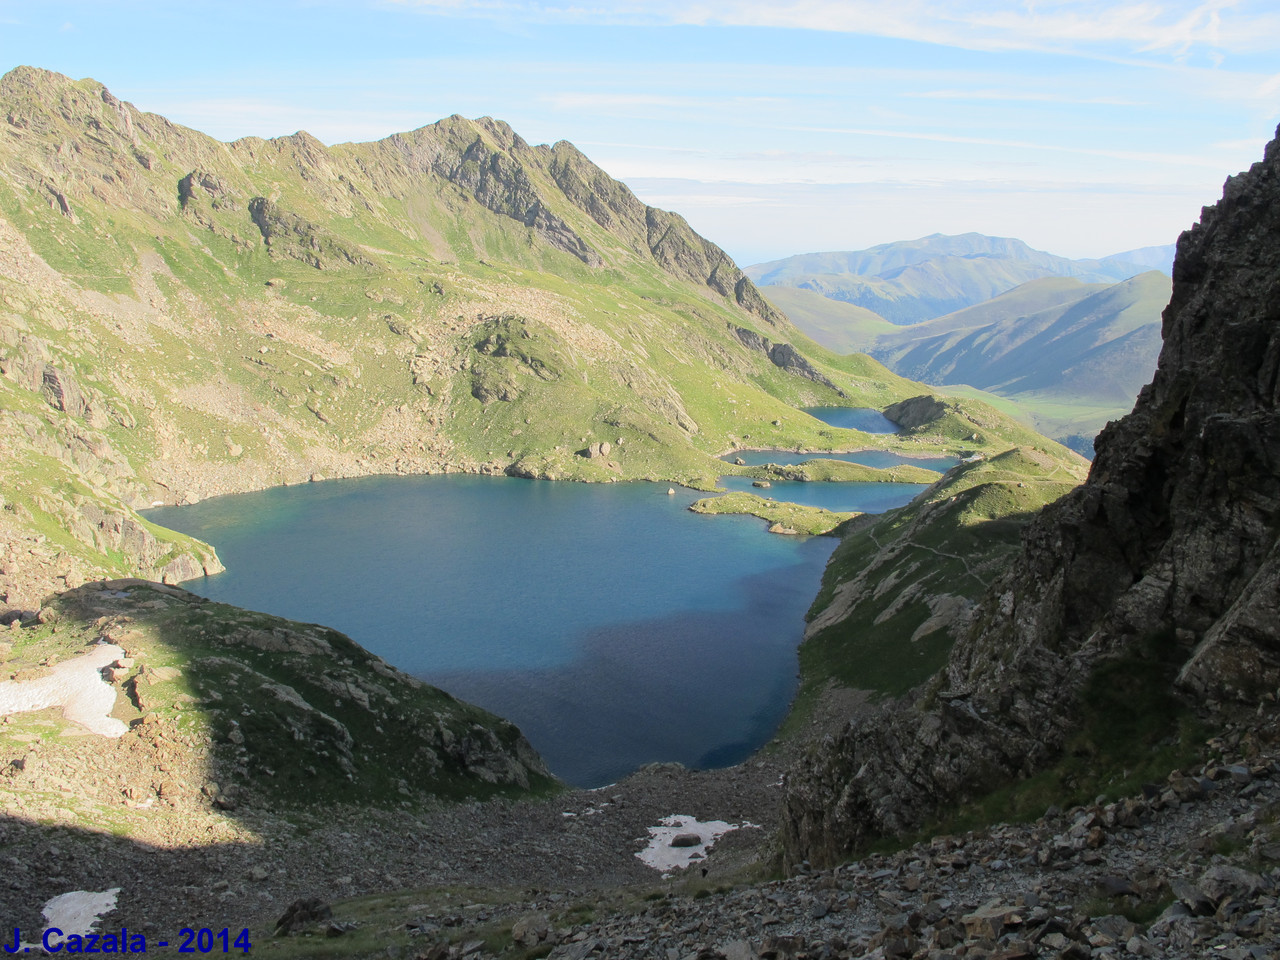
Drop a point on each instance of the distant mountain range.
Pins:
(1069, 342)
(1054, 334)
(912, 281)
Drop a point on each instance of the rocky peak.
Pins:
(75, 137)
(1172, 541)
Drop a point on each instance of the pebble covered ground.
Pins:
(1190, 868)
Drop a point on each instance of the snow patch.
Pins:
(75, 913)
(76, 686)
(665, 858)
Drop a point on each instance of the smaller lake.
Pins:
(854, 418)
(868, 458)
(838, 496)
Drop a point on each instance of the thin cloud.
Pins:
(1133, 155)
(1011, 96)
(578, 101)
(723, 191)
(1167, 27)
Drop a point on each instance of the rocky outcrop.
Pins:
(288, 235)
(120, 532)
(665, 236)
(504, 186)
(783, 356)
(915, 411)
(1171, 545)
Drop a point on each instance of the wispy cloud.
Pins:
(596, 101)
(1183, 159)
(1014, 96)
(1168, 27)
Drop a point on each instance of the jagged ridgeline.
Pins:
(182, 317)
(1139, 606)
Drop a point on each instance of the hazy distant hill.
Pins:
(839, 326)
(911, 281)
(1153, 258)
(1050, 335)
(1071, 355)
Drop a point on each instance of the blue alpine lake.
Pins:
(868, 458)
(612, 625)
(844, 497)
(865, 419)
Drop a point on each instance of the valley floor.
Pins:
(187, 863)
(1199, 855)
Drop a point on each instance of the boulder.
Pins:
(303, 912)
(1221, 881)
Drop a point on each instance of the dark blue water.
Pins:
(612, 625)
(869, 458)
(856, 497)
(854, 418)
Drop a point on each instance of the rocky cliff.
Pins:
(1167, 556)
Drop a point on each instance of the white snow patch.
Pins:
(76, 686)
(665, 858)
(75, 913)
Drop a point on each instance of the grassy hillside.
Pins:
(839, 326)
(900, 587)
(271, 712)
(1094, 342)
(181, 318)
(1065, 355)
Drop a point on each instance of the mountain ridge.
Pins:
(1153, 581)
(912, 281)
(446, 298)
(1071, 355)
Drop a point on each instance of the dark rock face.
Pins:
(783, 356)
(1174, 535)
(915, 411)
(289, 235)
(665, 236)
(504, 187)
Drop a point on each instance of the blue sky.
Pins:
(1082, 127)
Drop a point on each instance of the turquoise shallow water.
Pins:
(614, 626)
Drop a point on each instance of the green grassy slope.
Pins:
(837, 325)
(1069, 355)
(250, 710)
(181, 318)
(899, 588)
(1101, 345)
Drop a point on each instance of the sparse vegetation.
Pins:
(785, 518)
